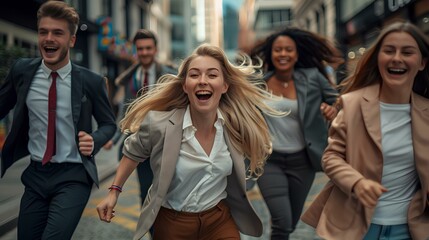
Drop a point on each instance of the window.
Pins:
(268, 19)
(106, 8)
(30, 47)
(3, 38)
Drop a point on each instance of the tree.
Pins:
(8, 55)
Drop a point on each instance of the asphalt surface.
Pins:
(128, 208)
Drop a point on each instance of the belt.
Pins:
(35, 163)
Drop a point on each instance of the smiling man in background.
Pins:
(134, 81)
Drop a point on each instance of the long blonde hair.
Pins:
(241, 105)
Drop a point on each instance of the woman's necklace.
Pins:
(286, 84)
(284, 80)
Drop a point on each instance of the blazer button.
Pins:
(309, 144)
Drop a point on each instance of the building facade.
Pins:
(259, 18)
(361, 21)
(105, 31)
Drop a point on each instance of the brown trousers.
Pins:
(213, 224)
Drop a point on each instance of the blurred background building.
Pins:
(352, 24)
(104, 35)
(107, 26)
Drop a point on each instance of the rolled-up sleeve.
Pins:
(137, 146)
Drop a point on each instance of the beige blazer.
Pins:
(163, 131)
(354, 152)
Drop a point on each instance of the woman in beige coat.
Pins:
(377, 158)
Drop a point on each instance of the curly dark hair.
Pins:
(313, 49)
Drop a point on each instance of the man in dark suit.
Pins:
(135, 80)
(54, 102)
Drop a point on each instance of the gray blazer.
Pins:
(312, 88)
(163, 130)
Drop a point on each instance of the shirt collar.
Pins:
(150, 70)
(62, 72)
(187, 121)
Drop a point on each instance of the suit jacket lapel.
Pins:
(171, 148)
(28, 76)
(173, 135)
(76, 92)
(300, 82)
(420, 130)
(371, 113)
(238, 162)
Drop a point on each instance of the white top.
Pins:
(37, 103)
(286, 133)
(199, 182)
(399, 171)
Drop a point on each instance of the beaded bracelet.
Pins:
(115, 187)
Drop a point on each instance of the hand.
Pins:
(105, 209)
(328, 111)
(86, 143)
(108, 145)
(368, 191)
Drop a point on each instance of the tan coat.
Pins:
(159, 139)
(354, 152)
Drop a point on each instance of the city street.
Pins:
(127, 210)
(127, 213)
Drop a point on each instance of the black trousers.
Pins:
(54, 198)
(145, 176)
(285, 184)
(144, 173)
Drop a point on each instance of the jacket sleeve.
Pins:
(8, 94)
(102, 113)
(334, 159)
(329, 93)
(137, 145)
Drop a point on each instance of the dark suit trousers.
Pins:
(54, 198)
(144, 173)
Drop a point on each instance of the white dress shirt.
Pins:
(37, 103)
(199, 182)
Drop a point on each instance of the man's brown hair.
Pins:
(144, 34)
(59, 10)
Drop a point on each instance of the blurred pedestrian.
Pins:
(196, 129)
(296, 74)
(54, 101)
(134, 81)
(378, 156)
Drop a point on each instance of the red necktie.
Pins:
(145, 82)
(52, 114)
